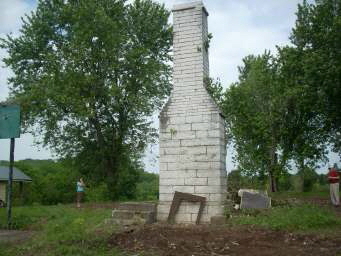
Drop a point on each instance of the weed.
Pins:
(62, 230)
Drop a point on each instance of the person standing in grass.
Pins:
(80, 191)
(334, 179)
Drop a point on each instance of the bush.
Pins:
(147, 189)
(97, 193)
(54, 182)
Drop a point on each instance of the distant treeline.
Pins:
(303, 181)
(54, 182)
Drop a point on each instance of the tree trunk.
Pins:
(273, 184)
(272, 169)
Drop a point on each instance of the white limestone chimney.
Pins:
(192, 131)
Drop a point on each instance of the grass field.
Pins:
(66, 230)
(61, 230)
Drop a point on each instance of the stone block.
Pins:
(208, 173)
(251, 200)
(170, 159)
(166, 189)
(196, 181)
(163, 167)
(169, 143)
(201, 134)
(161, 216)
(178, 120)
(200, 150)
(165, 135)
(178, 174)
(166, 197)
(195, 165)
(208, 189)
(163, 208)
(185, 135)
(172, 181)
(214, 133)
(194, 119)
(217, 181)
(175, 166)
(199, 142)
(183, 218)
(172, 151)
(136, 207)
(184, 189)
(206, 158)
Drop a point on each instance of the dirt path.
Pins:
(205, 241)
(8, 236)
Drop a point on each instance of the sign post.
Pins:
(10, 129)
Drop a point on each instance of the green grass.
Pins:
(306, 218)
(61, 230)
(300, 195)
(67, 231)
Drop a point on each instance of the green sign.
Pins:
(9, 121)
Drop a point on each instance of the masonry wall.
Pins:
(192, 132)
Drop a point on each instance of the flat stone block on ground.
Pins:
(254, 201)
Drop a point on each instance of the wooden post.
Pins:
(9, 188)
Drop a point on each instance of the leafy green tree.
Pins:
(88, 75)
(317, 51)
(272, 117)
(304, 139)
(253, 107)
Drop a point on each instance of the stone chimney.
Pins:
(192, 131)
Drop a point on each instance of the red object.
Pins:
(333, 176)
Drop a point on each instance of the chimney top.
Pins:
(188, 4)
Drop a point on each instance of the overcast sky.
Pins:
(239, 28)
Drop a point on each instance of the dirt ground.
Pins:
(14, 235)
(166, 240)
(180, 240)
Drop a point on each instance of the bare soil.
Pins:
(205, 240)
(165, 240)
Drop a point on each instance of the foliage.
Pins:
(316, 54)
(237, 180)
(254, 108)
(286, 108)
(215, 89)
(147, 188)
(298, 218)
(305, 139)
(61, 230)
(309, 178)
(54, 182)
(88, 75)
